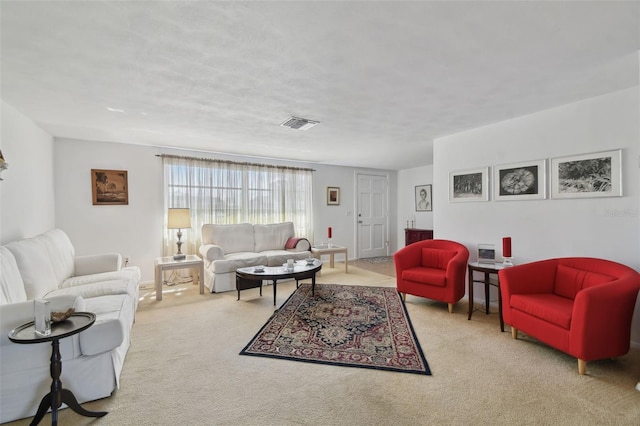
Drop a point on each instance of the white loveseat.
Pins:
(226, 248)
(46, 267)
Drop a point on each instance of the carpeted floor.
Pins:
(380, 259)
(183, 368)
(342, 325)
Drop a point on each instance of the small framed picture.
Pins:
(486, 253)
(109, 187)
(333, 196)
(519, 181)
(469, 185)
(423, 198)
(587, 175)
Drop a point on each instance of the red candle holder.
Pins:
(506, 251)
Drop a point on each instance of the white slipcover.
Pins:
(45, 266)
(226, 248)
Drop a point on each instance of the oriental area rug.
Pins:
(352, 326)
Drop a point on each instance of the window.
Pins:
(226, 192)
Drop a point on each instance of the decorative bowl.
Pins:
(62, 316)
(310, 260)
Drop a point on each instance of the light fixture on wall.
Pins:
(3, 164)
(179, 219)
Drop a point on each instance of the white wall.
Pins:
(133, 230)
(408, 179)
(136, 230)
(27, 191)
(598, 227)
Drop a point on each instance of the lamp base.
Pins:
(179, 257)
(507, 261)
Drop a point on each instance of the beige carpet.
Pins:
(183, 368)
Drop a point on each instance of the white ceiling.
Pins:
(383, 78)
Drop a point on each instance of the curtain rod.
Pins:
(213, 160)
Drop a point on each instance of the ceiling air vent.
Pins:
(299, 123)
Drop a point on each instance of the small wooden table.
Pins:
(331, 250)
(251, 277)
(26, 334)
(487, 269)
(166, 263)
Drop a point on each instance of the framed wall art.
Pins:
(109, 187)
(469, 185)
(520, 181)
(423, 198)
(333, 196)
(486, 253)
(587, 176)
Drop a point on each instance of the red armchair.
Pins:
(434, 269)
(580, 306)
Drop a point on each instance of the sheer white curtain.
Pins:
(225, 192)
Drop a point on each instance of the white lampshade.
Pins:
(179, 219)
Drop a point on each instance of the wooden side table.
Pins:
(319, 250)
(167, 263)
(25, 334)
(486, 269)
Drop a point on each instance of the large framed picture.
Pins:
(109, 187)
(520, 181)
(469, 185)
(423, 198)
(588, 175)
(333, 196)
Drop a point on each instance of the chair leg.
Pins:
(450, 308)
(582, 366)
(514, 332)
(404, 296)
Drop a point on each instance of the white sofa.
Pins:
(46, 267)
(226, 248)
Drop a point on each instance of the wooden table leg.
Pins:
(470, 293)
(486, 293)
(275, 283)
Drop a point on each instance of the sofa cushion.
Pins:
(430, 276)
(11, 285)
(549, 307)
(232, 238)
(35, 267)
(273, 236)
(233, 261)
(60, 252)
(569, 281)
(436, 258)
(113, 313)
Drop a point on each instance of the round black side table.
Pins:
(26, 334)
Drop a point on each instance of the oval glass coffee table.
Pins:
(252, 277)
(77, 322)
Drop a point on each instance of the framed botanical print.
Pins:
(587, 176)
(469, 185)
(520, 181)
(109, 187)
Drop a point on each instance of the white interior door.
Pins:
(373, 216)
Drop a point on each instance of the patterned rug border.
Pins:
(426, 371)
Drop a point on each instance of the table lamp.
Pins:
(179, 219)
